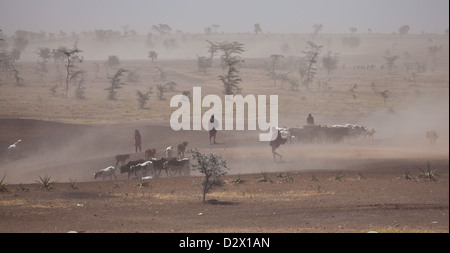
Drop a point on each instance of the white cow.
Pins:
(106, 172)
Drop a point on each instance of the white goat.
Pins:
(108, 171)
(14, 149)
(169, 150)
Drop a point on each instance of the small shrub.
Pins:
(339, 176)
(73, 184)
(407, 175)
(361, 176)
(211, 166)
(142, 183)
(3, 184)
(23, 188)
(238, 180)
(44, 182)
(265, 178)
(429, 174)
(286, 177)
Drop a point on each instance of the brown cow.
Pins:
(150, 153)
(182, 149)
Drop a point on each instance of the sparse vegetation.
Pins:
(73, 183)
(45, 183)
(163, 88)
(407, 175)
(212, 167)
(142, 98)
(231, 60)
(142, 183)
(428, 173)
(339, 176)
(3, 184)
(285, 177)
(115, 84)
(238, 180)
(72, 71)
(265, 178)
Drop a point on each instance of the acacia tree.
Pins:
(230, 60)
(257, 28)
(152, 55)
(45, 54)
(390, 61)
(330, 63)
(72, 71)
(142, 98)
(211, 166)
(163, 88)
(115, 84)
(403, 29)
(275, 58)
(309, 70)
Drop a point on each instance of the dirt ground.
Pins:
(350, 187)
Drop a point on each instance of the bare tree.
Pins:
(72, 71)
(312, 54)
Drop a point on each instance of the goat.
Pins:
(14, 150)
(127, 167)
(169, 150)
(122, 158)
(182, 149)
(108, 171)
(144, 167)
(175, 167)
(150, 153)
(369, 133)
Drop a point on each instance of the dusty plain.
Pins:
(359, 185)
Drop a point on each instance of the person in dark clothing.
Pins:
(212, 129)
(137, 140)
(276, 143)
(310, 120)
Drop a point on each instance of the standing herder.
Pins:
(137, 140)
(212, 125)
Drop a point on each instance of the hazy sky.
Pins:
(276, 16)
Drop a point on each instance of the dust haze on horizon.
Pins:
(231, 16)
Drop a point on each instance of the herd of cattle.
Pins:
(327, 134)
(151, 167)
